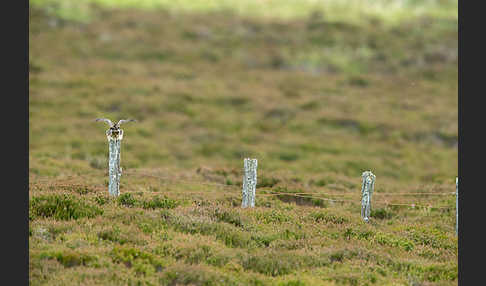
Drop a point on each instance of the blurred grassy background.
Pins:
(311, 95)
(390, 11)
(317, 91)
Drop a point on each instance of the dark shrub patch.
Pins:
(101, 200)
(165, 214)
(338, 256)
(195, 275)
(264, 182)
(110, 235)
(288, 156)
(202, 254)
(143, 262)
(394, 241)
(342, 254)
(115, 235)
(160, 203)
(287, 190)
(435, 273)
(264, 240)
(295, 235)
(272, 216)
(82, 190)
(431, 237)
(345, 280)
(381, 214)
(278, 263)
(231, 217)
(232, 101)
(127, 200)
(302, 201)
(293, 283)
(224, 232)
(69, 258)
(318, 203)
(322, 182)
(351, 233)
(328, 218)
(311, 105)
(358, 81)
(268, 265)
(61, 207)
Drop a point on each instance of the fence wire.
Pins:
(308, 195)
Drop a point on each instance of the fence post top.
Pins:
(114, 134)
(249, 162)
(368, 174)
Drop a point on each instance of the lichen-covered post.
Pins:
(114, 169)
(366, 192)
(249, 183)
(457, 205)
(114, 136)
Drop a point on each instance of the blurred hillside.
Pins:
(312, 95)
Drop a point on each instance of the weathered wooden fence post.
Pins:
(249, 183)
(114, 169)
(457, 205)
(114, 136)
(366, 192)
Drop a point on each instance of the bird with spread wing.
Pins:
(117, 125)
(114, 128)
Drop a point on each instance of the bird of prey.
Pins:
(115, 128)
(117, 125)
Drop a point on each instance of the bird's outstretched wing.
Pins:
(108, 121)
(125, 120)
